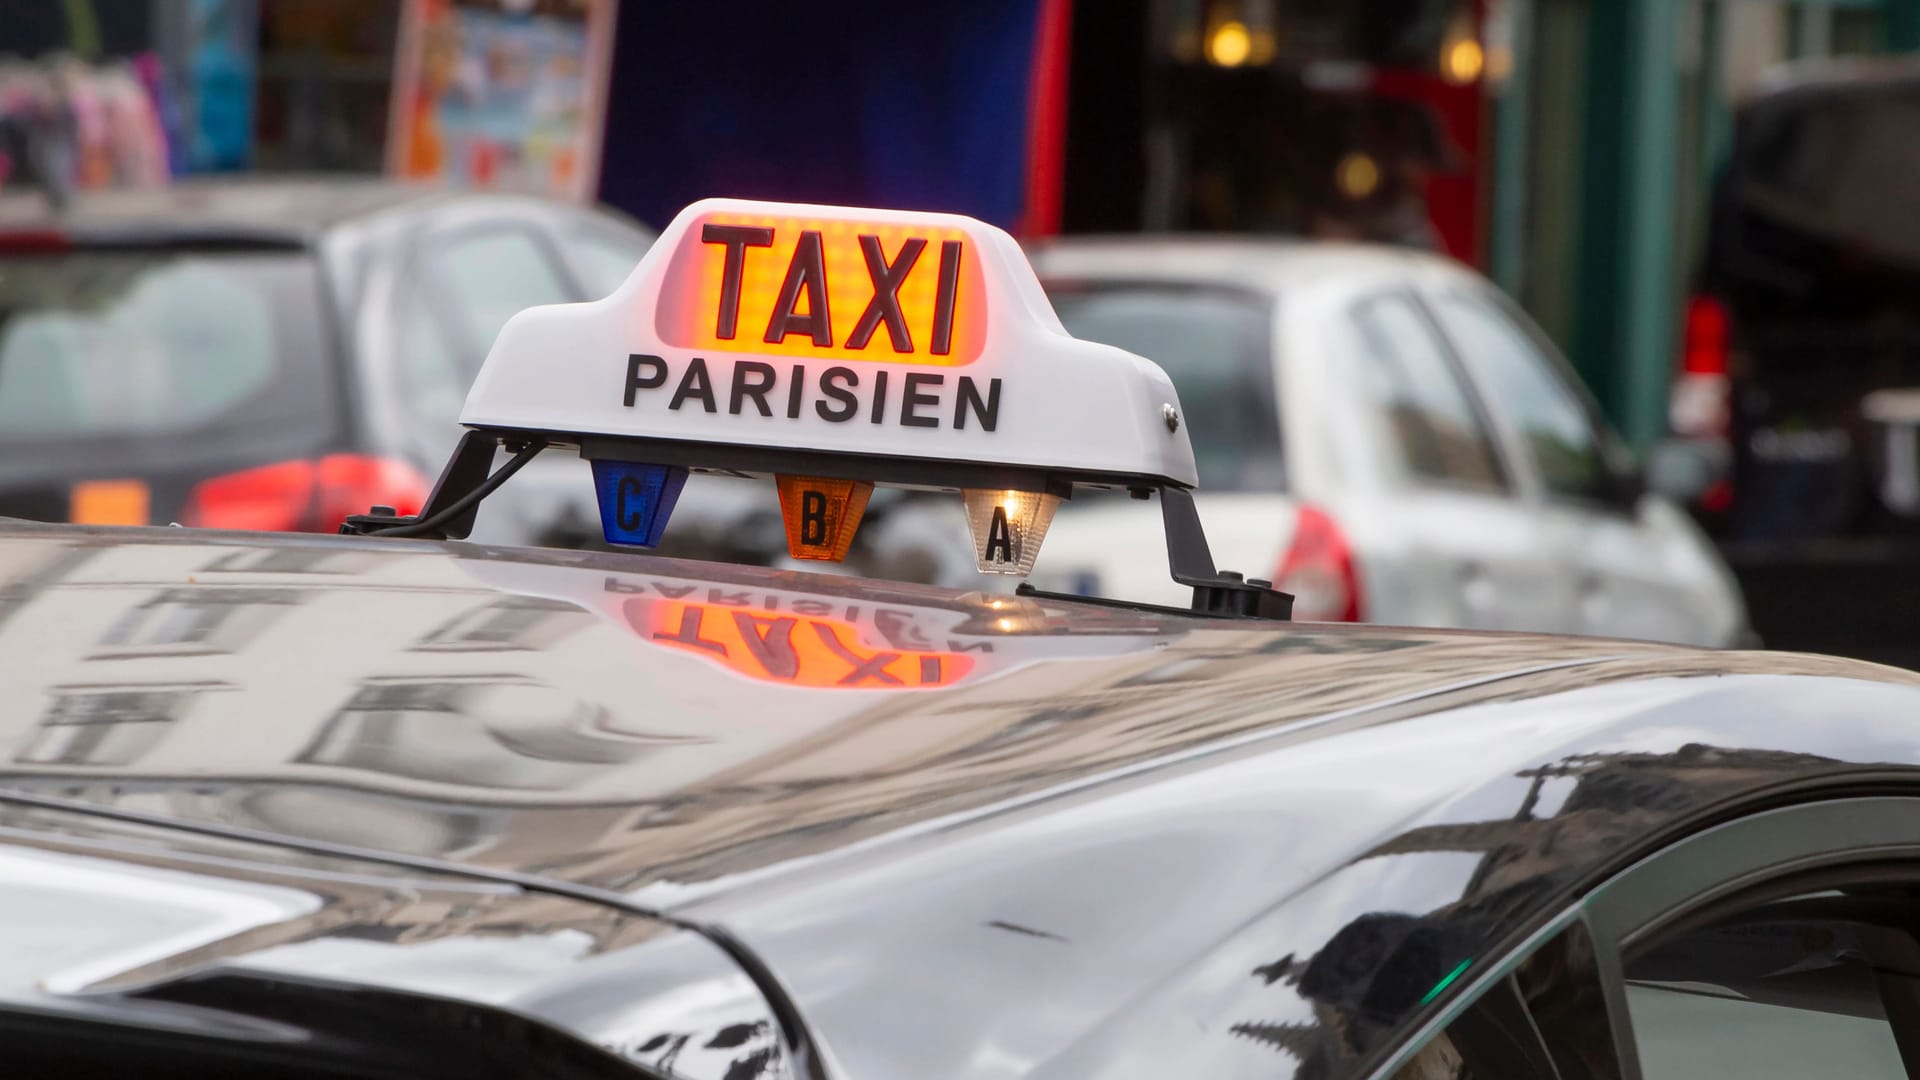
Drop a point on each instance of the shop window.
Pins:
(193, 620)
(106, 725)
(516, 623)
(507, 733)
(287, 560)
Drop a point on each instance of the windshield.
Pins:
(1828, 165)
(1216, 346)
(124, 348)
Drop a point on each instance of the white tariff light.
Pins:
(1008, 527)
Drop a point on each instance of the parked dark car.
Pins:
(1802, 358)
(274, 354)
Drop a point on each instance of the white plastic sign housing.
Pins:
(816, 328)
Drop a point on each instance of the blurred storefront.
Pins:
(325, 75)
(1609, 130)
(940, 106)
(235, 84)
(493, 93)
(1565, 147)
(947, 106)
(501, 94)
(1350, 119)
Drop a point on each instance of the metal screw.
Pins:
(1171, 415)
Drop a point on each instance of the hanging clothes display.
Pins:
(70, 126)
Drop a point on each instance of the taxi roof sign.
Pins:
(882, 334)
(834, 348)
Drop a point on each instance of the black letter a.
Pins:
(807, 271)
(999, 537)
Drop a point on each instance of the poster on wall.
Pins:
(503, 95)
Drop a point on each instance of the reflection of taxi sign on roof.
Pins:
(828, 634)
(795, 648)
(835, 349)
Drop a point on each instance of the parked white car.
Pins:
(1386, 436)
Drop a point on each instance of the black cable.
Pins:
(482, 490)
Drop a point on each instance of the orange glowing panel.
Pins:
(821, 514)
(797, 650)
(108, 502)
(826, 290)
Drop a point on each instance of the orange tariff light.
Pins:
(821, 514)
(825, 289)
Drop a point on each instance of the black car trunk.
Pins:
(1815, 253)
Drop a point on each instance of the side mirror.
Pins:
(1683, 469)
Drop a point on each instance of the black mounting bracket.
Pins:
(469, 477)
(1215, 592)
(454, 503)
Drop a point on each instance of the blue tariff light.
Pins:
(636, 500)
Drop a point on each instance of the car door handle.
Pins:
(1476, 586)
(1593, 597)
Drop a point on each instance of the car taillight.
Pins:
(34, 242)
(1706, 342)
(350, 484)
(1701, 401)
(1318, 570)
(304, 496)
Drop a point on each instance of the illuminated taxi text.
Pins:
(839, 290)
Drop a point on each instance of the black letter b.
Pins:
(813, 518)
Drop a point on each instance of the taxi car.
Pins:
(393, 804)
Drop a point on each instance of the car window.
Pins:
(1409, 377)
(1519, 381)
(1216, 346)
(490, 274)
(120, 348)
(433, 381)
(604, 257)
(1547, 1018)
(1802, 986)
